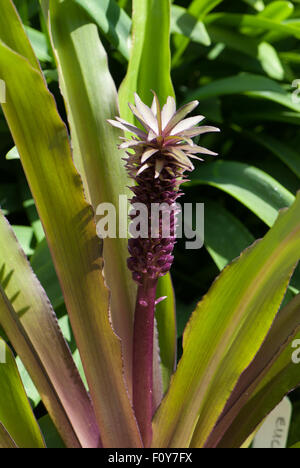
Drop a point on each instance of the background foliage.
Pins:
(240, 59)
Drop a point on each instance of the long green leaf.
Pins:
(32, 328)
(91, 99)
(262, 194)
(43, 144)
(15, 412)
(30, 389)
(10, 22)
(151, 37)
(249, 84)
(277, 11)
(240, 306)
(271, 375)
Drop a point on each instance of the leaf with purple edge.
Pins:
(214, 340)
(31, 326)
(271, 375)
(5, 440)
(91, 99)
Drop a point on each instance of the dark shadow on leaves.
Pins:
(5, 279)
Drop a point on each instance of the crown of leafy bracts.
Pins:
(166, 141)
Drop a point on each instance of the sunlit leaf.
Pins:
(270, 376)
(24, 235)
(151, 37)
(278, 10)
(112, 21)
(184, 23)
(39, 44)
(30, 388)
(16, 414)
(214, 340)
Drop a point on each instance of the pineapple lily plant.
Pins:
(128, 389)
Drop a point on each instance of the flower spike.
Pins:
(158, 157)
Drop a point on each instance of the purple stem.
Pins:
(143, 358)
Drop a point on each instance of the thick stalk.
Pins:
(143, 358)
